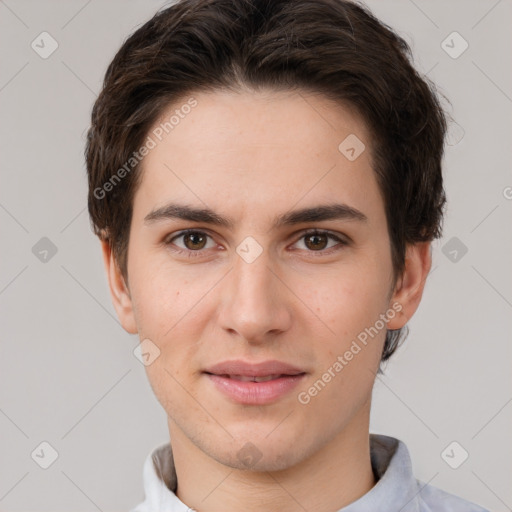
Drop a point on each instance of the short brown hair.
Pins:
(333, 47)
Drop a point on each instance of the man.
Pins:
(265, 177)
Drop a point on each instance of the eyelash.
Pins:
(194, 254)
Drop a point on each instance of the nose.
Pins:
(256, 304)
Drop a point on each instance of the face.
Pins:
(292, 264)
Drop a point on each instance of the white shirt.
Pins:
(396, 489)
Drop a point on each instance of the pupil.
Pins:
(314, 239)
(196, 240)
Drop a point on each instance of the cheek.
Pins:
(161, 297)
(347, 305)
(166, 307)
(349, 351)
(155, 307)
(169, 306)
(345, 301)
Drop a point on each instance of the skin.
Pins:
(251, 157)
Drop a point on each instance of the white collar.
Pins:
(396, 488)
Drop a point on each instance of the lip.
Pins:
(262, 369)
(286, 377)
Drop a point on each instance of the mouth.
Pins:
(238, 369)
(254, 383)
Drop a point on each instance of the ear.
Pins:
(409, 287)
(118, 290)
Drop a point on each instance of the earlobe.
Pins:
(409, 287)
(119, 291)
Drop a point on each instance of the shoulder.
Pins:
(433, 499)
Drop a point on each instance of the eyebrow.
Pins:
(208, 216)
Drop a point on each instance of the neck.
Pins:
(329, 479)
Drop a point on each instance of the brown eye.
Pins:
(320, 242)
(316, 241)
(191, 242)
(194, 240)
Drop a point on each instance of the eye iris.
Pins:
(197, 241)
(314, 239)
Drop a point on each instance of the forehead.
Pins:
(259, 150)
(269, 118)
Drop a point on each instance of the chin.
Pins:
(252, 458)
(259, 451)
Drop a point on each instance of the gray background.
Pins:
(67, 371)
